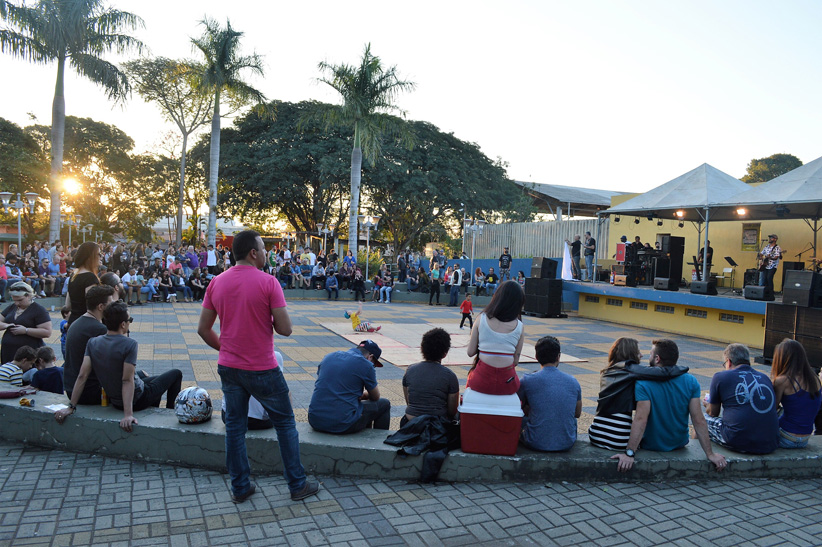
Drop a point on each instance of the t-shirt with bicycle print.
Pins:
(749, 420)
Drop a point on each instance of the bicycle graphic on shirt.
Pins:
(749, 390)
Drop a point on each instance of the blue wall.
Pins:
(518, 264)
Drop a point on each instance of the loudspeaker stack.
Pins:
(543, 268)
(803, 289)
(796, 323)
(543, 297)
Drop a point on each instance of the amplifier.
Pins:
(618, 269)
(665, 284)
(704, 287)
(758, 292)
(751, 277)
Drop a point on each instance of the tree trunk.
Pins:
(182, 190)
(58, 134)
(213, 171)
(356, 176)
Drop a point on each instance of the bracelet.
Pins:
(27, 331)
(72, 406)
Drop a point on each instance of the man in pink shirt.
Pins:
(251, 306)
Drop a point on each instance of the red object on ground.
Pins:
(490, 434)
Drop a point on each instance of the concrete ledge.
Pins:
(160, 438)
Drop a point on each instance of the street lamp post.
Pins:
(369, 222)
(31, 198)
(474, 226)
(86, 230)
(329, 229)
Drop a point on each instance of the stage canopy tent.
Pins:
(705, 187)
(586, 202)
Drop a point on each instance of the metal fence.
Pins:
(529, 239)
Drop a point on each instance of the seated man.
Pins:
(346, 398)
(318, 276)
(662, 409)
(331, 284)
(12, 372)
(113, 358)
(491, 282)
(413, 280)
(59, 278)
(48, 377)
(47, 281)
(552, 401)
(133, 286)
(430, 388)
(749, 422)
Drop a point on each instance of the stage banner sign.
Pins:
(750, 237)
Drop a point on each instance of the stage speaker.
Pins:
(544, 305)
(542, 287)
(772, 339)
(801, 280)
(751, 277)
(813, 347)
(666, 284)
(543, 268)
(780, 318)
(788, 267)
(809, 322)
(797, 297)
(704, 287)
(758, 292)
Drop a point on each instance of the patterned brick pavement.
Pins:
(53, 498)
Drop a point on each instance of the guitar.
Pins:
(764, 257)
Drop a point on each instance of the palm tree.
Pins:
(368, 92)
(221, 73)
(77, 32)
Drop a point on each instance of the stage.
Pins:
(725, 318)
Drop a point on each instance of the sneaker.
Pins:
(310, 489)
(248, 493)
(42, 294)
(378, 329)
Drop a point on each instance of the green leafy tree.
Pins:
(417, 189)
(300, 174)
(121, 192)
(221, 75)
(23, 167)
(369, 92)
(77, 33)
(765, 169)
(170, 85)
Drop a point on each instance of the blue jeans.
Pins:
(589, 267)
(336, 292)
(577, 270)
(385, 294)
(455, 293)
(490, 288)
(271, 390)
(788, 440)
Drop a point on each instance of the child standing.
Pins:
(357, 323)
(467, 309)
(65, 311)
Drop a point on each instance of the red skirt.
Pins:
(492, 380)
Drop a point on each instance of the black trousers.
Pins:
(470, 320)
(154, 388)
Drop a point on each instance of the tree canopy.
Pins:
(765, 169)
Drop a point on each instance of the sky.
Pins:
(617, 95)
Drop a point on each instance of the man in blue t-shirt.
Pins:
(662, 409)
(749, 422)
(346, 398)
(552, 401)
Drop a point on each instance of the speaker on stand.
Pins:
(543, 297)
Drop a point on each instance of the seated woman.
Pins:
(285, 275)
(344, 276)
(612, 423)
(375, 290)
(358, 286)
(387, 286)
(796, 387)
(182, 290)
(496, 340)
(479, 281)
(428, 386)
(151, 286)
(166, 286)
(521, 278)
(425, 282)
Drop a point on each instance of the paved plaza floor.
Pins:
(50, 497)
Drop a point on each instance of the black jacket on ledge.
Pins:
(434, 434)
(616, 391)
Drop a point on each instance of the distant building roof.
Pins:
(582, 201)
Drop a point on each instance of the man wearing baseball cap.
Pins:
(346, 398)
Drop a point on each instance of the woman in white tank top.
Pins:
(496, 340)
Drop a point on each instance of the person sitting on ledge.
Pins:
(346, 398)
(749, 422)
(796, 386)
(552, 401)
(113, 357)
(429, 387)
(12, 372)
(662, 409)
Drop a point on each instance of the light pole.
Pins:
(474, 226)
(98, 236)
(368, 222)
(329, 229)
(464, 225)
(86, 230)
(31, 198)
(72, 220)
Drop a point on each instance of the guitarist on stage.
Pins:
(769, 261)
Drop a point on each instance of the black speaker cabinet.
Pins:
(666, 284)
(800, 280)
(542, 287)
(751, 277)
(704, 287)
(758, 292)
(809, 322)
(772, 339)
(788, 267)
(797, 297)
(543, 268)
(543, 305)
(780, 318)
(813, 347)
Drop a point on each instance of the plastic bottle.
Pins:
(103, 397)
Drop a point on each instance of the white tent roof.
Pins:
(798, 193)
(703, 187)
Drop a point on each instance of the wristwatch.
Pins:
(629, 452)
(72, 406)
